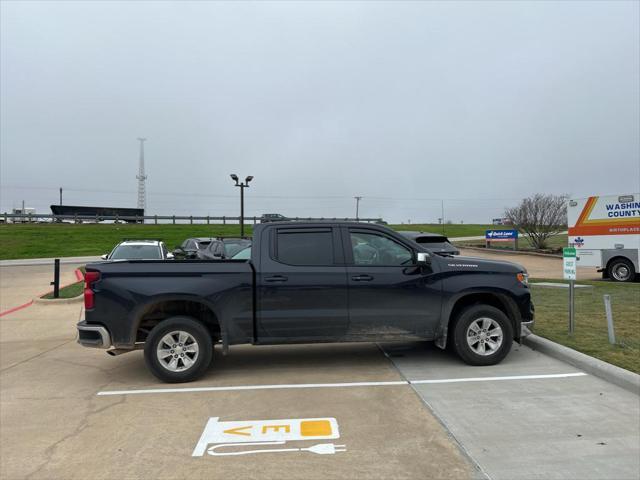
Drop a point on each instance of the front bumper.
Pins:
(94, 336)
(527, 323)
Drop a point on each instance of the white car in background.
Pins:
(139, 250)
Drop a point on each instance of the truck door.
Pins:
(301, 285)
(388, 294)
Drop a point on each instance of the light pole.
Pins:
(242, 186)
(357, 206)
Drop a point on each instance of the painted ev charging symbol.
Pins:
(227, 435)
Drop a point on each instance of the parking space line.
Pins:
(253, 387)
(492, 379)
(334, 385)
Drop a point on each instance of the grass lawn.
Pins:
(69, 291)
(590, 337)
(71, 240)
(450, 230)
(74, 240)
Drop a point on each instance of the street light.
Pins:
(242, 186)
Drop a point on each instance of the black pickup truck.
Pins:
(305, 282)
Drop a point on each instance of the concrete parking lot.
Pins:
(402, 410)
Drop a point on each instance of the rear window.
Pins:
(312, 247)
(137, 252)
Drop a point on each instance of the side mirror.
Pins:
(170, 256)
(104, 257)
(423, 258)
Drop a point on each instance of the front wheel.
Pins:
(178, 349)
(482, 335)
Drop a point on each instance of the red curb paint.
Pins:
(15, 309)
(79, 277)
(79, 274)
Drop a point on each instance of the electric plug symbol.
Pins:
(320, 448)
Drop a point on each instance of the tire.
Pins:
(477, 318)
(169, 350)
(621, 270)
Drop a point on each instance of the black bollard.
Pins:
(56, 278)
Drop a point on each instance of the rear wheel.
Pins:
(482, 335)
(621, 270)
(178, 349)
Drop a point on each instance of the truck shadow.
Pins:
(306, 363)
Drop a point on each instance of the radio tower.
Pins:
(142, 193)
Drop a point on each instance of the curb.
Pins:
(58, 300)
(618, 376)
(511, 252)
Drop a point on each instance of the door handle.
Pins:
(362, 278)
(276, 278)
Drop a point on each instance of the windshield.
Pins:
(438, 245)
(136, 252)
(243, 254)
(433, 239)
(232, 247)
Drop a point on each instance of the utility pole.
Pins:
(442, 208)
(142, 192)
(242, 186)
(60, 196)
(357, 207)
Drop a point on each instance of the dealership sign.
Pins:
(501, 235)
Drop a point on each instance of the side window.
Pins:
(305, 247)
(374, 249)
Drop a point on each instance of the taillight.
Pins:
(90, 278)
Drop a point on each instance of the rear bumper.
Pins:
(94, 336)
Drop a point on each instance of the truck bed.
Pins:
(126, 290)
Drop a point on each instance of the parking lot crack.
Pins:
(35, 356)
(51, 450)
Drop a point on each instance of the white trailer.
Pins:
(606, 234)
(23, 211)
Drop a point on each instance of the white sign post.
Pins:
(569, 264)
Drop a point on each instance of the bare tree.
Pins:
(539, 217)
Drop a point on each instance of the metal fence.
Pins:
(155, 219)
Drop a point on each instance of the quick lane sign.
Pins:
(501, 235)
(219, 434)
(569, 263)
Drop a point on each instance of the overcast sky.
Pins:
(478, 103)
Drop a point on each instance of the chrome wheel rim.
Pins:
(177, 351)
(484, 336)
(621, 272)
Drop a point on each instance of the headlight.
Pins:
(523, 278)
